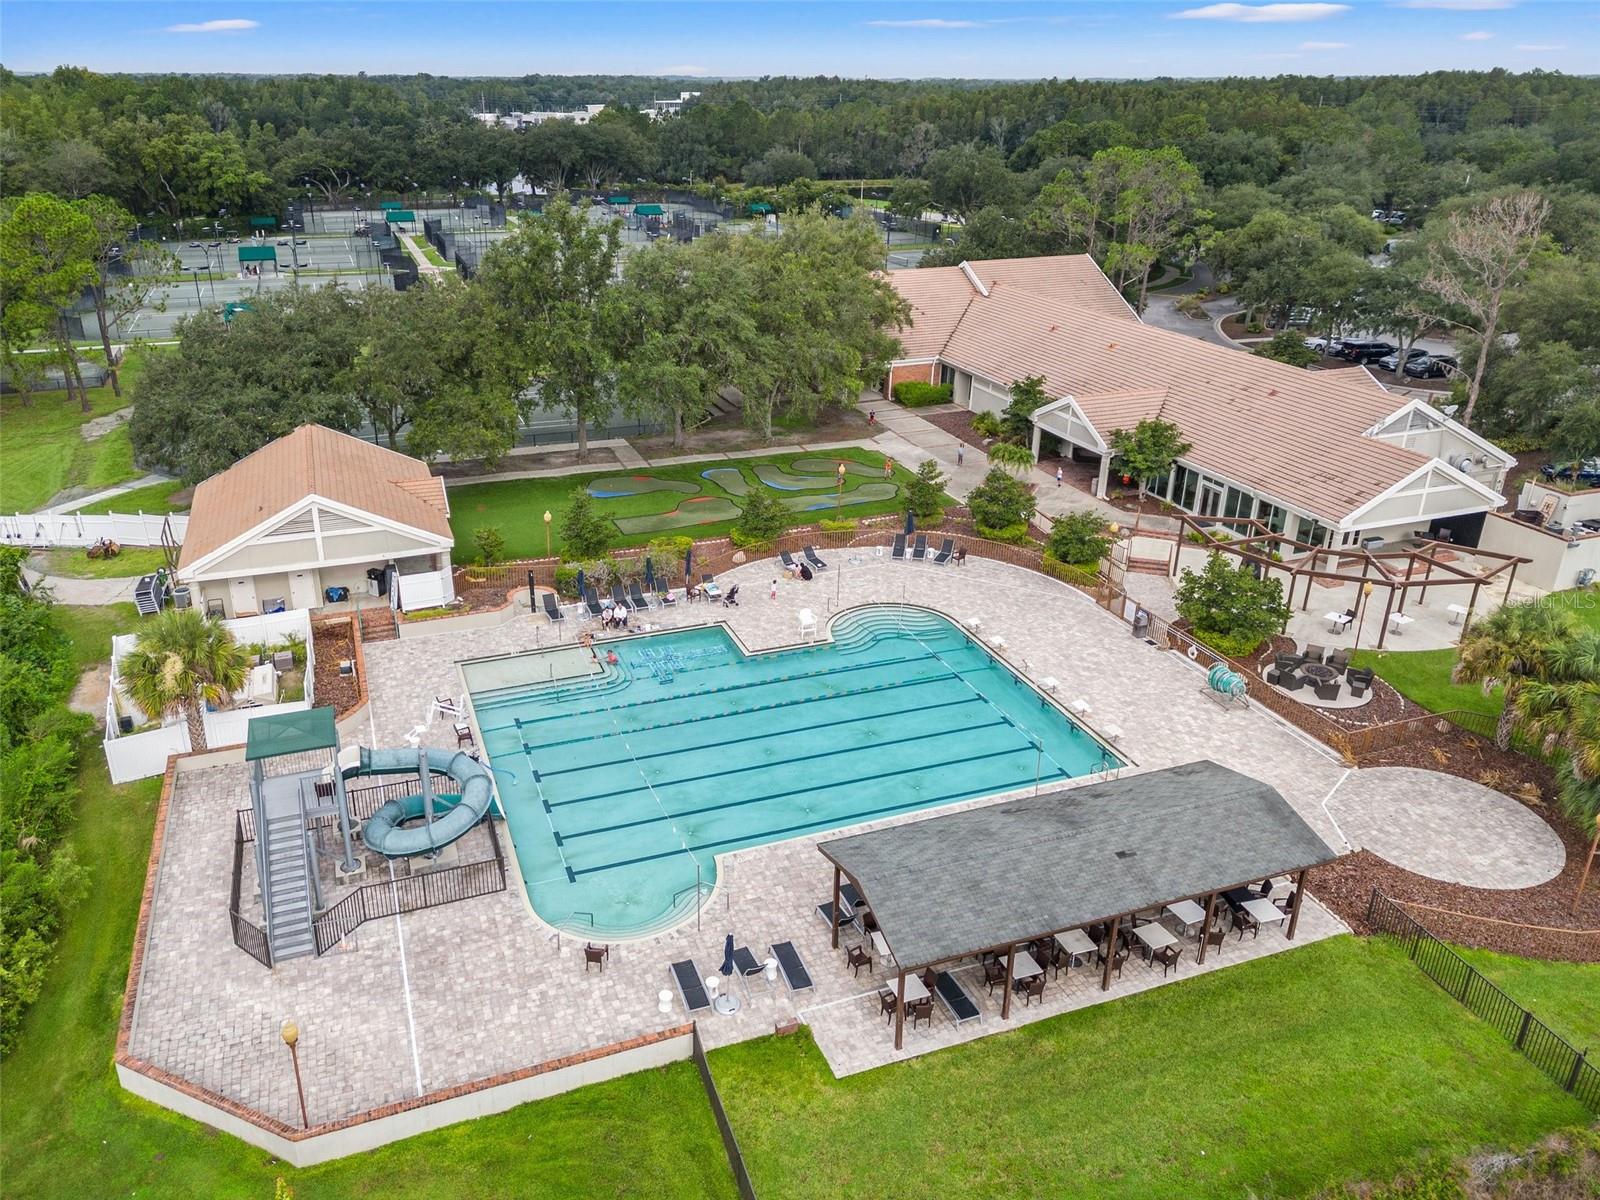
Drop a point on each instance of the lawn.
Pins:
(70, 1131)
(1337, 1062)
(1565, 996)
(132, 562)
(517, 506)
(90, 629)
(155, 499)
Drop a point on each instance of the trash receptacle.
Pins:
(1141, 623)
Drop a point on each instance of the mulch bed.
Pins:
(332, 641)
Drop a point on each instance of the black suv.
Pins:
(1364, 352)
(1586, 473)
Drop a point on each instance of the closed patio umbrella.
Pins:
(688, 565)
(911, 521)
(727, 1002)
(580, 583)
(649, 575)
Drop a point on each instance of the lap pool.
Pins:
(622, 782)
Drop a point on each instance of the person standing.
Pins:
(888, 467)
(774, 589)
(1058, 476)
(961, 453)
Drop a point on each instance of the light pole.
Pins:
(291, 1037)
(198, 301)
(547, 533)
(838, 503)
(1366, 592)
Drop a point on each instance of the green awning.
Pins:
(388, 204)
(649, 210)
(399, 214)
(619, 199)
(761, 208)
(263, 222)
(290, 733)
(258, 254)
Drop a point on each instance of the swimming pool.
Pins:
(621, 788)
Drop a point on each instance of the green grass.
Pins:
(132, 562)
(71, 1132)
(157, 498)
(1337, 1062)
(517, 506)
(1564, 995)
(90, 629)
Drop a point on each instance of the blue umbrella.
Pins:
(649, 575)
(911, 521)
(727, 956)
(580, 583)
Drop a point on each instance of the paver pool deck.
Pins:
(429, 1000)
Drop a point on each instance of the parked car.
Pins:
(1390, 362)
(1432, 366)
(1587, 472)
(1363, 351)
(1324, 345)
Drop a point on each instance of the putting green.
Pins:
(830, 467)
(865, 494)
(612, 486)
(729, 479)
(702, 510)
(779, 480)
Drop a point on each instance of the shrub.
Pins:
(1000, 501)
(925, 492)
(1190, 305)
(491, 544)
(567, 579)
(920, 395)
(1226, 601)
(1288, 347)
(584, 532)
(762, 522)
(837, 525)
(986, 424)
(1027, 396)
(1015, 535)
(1079, 539)
(1070, 573)
(669, 547)
(1520, 443)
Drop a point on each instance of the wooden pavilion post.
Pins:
(1509, 581)
(1294, 909)
(1383, 630)
(1111, 954)
(836, 874)
(1205, 927)
(900, 1013)
(1427, 574)
(1472, 608)
(1011, 965)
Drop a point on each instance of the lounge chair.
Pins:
(849, 894)
(617, 596)
(691, 989)
(945, 551)
(899, 552)
(792, 966)
(919, 548)
(955, 999)
(745, 962)
(591, 601)
(732, 598)
(788, 561)
(1315, 653)
(847, 914)
(664, 593)
(636, 598)
(551, 608)
(810, 554)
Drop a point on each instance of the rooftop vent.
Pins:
(1127, 853)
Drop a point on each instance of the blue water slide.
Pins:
(386, 830)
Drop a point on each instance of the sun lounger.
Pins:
(616, 595)
(955, 998)
(746, 963)
(592, 602)
(945, 551)
(636, 597)
(691, 989)
(919, 549)
(899, 547)
(811, 557)
(846, 914)
(851, 897)
(792, 966)
(664, 593)
(551, 608)
(788, 561)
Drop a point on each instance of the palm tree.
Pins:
(1511, 646)
(1564, 712)
(1014, 458)
(181, 663)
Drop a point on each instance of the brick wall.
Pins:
(912, 373)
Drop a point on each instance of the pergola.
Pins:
(1399, 570)
(991, 879)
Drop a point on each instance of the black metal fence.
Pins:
(1545, 1048)
(730, 1143)
(247, 935)
(412, 893)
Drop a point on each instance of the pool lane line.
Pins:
(859, 781)
(754, 737)
(832, 752)
(771, 835)
(555, 834)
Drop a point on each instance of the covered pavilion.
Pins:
(995, 878)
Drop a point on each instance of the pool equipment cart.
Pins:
(444, 818)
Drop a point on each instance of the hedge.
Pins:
(921, 395)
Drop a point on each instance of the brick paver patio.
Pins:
(412, 1004)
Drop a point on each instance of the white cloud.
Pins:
(1324, 45)
(1460, 5)
(681, 69)
(230, 25)
(1477, 35)
(928, 23)
(1540, 47)
(1259, 13)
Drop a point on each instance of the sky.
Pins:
(986, 39)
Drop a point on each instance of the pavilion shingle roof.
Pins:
(950, 886)
(313, 460)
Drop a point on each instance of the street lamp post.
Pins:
(839, 500)
(198, 300)
(1366, 593)
(291, 1038)
(547, 533)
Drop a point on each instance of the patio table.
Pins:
(1155, 935)
(1398, 622)
(1264, 911)
(1026, 966)
(1238, 897)
(711, 589)
(1337, 620)
(881, 945)
(914, 988)
(1456, 611)
(1321, 672)
(1077, 945)
(1187, 912)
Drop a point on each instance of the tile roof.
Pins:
(949, 886)
(1296, 435)
(313, 460)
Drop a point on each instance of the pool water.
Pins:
(621, 789)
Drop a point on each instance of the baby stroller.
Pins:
(732, 597)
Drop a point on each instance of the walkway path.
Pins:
(78, 502)
(420, 257)
(92, 592)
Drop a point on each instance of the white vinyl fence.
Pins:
(75, 529)
(427, 589)
(140, 755)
